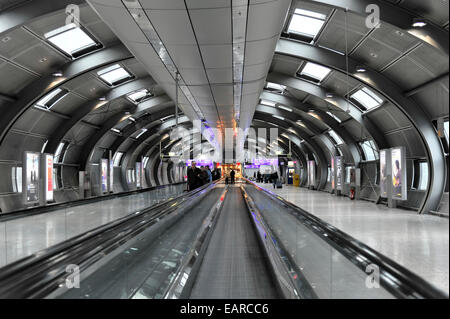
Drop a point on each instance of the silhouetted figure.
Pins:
(258, 176)
(274, 178)
(194, 178)
(232, 173)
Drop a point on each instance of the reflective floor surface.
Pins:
(418, 242)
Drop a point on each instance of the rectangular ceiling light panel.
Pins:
(139, 96)
(314, 71)
(72, 40)
(307, 23)
(367, 98)
(49, 100)
(114, 75)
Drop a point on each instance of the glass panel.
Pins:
(305, 25)
(315, 71)
(70, 39)
(423, 176)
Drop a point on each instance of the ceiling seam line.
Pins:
(201, 58)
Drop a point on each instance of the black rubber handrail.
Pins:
(36, 210)
(39, 274)
(399, 281)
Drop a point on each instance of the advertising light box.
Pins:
(138, 174)
(339, 172)
(104, 174)
(398, 164)
(384, 172)
(31, 162)
(311, 173)
(333, 179)
(111, 175)
(48, 177)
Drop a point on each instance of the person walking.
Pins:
(193, 175)
(232, 173)
(274, 179)
(258, 177)
(208, 171)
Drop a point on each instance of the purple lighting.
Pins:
(265, 161)
(200, 163)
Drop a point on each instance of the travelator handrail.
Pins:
(44, 272)
(36, 210)
(399, 281)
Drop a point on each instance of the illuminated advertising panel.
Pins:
(333, 184)
(48, 160)
(311, 173)
(384, 172)
(138, 174)
(398, 164)
(111, 175)
(339, 172)
(104, 174)
(32, 177)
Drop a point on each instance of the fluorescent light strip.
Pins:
(239, 19)
(140, 17)
(285, 108)
(142, 132)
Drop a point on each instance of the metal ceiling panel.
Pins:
(220, 75)
(435, 99)
(431, 59)
(17, 78)
(217, 56)
(206, 21)
(407, 73)
(333, 36)
(339, 83)
(69, 104)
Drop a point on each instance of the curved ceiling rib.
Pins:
(327, 119)
(88, 107)
(394, 94)
(41, 86)
(337, 101)
(317, 149)
(396, 16)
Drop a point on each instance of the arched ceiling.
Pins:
(406, 67)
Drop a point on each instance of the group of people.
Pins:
(267, 178)
(197, 177)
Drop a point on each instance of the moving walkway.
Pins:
(219, 241)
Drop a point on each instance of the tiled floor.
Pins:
(24, 236)
(418, 242)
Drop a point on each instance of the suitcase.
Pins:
(279, 184)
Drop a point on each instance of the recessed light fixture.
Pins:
(102, 98)
(44, 59)
(329, 95)
(6, 39)
(360, 69)
(399, 33)
(373, 55)
(419, 23)
(57, 74)
(72, 40)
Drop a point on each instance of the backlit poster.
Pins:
(383, 173)
(111, 175)
(32, 177)
(104, 176)
(48, 177)
(398, 164)
(311, 173)
(333, 184)
(138, 174)
(339, 172)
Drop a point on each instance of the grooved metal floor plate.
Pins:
(234, 265)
